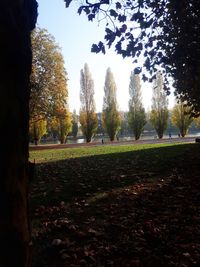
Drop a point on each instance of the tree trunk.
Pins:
(160, 134)
(88, 139)
(36, 141)
(112, 138)
(17, 19)
(62, 141)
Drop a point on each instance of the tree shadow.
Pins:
(66, 180)
(134, 213)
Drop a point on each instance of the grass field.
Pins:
(104, 204)
(78, 171)
(60, 154)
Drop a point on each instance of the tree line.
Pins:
(49, 111)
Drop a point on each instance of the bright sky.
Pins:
(75, 35)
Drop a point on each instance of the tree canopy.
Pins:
(37, 128)
(181, 117)
(48, 81)
(165, 33)
(74, 131)
(61, 124)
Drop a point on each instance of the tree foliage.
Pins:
(74, 124)
(48, 82)
(110, 115)
(136, 116)
(89, 124)
(165, 33)
(181, 117)
(197, 122)
(61, 124)
(37, 129)
(124, 127)
(159, 112)
(100, 128)
(88, 117)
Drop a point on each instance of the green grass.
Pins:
(65, 174)
(61, 154)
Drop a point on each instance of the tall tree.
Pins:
(88, 117)
(159, 112)
(136, 116)
(49, 78)
(167, 36)
(181, 117)
(18, 18)
(110, 114)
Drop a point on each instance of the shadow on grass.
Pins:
(66, 180)
(129, 209)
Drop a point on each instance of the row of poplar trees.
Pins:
(111, 118)
(110, 115)
(137, 118)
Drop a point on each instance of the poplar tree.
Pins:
(181, 117)
(136, 115)
(110, 114)
(159, 113)
(88, 117)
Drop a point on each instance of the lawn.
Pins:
(77, 152)
(116, 206)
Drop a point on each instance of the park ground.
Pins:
(131, 205)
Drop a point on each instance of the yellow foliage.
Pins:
(89, 123)
(48, 81)
(181, 118)
(158, 119)
(197, 122)
(37, 128)
(111, 120)
(61, 124)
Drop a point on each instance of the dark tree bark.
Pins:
(17, 19)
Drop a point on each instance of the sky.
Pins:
(75, 35)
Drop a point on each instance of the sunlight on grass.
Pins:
(61, 154)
